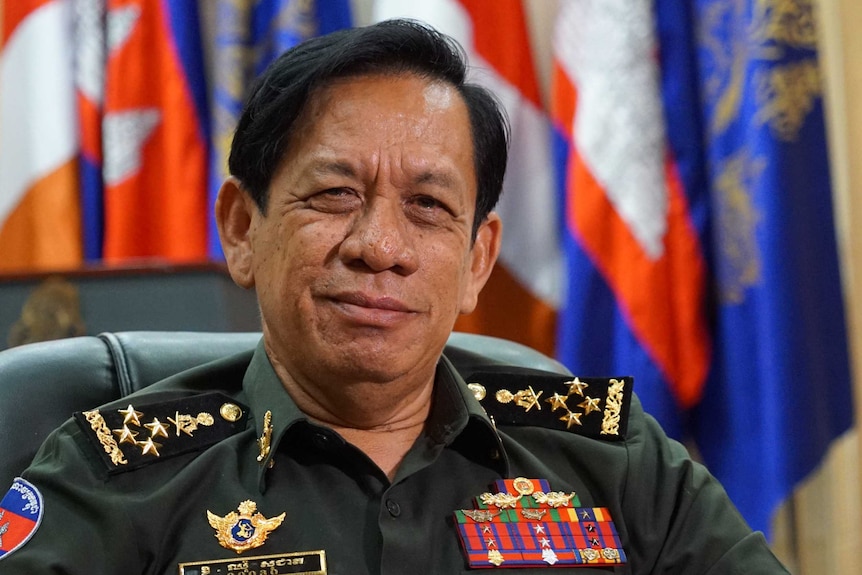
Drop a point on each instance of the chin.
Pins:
(376, 364)
(362, 370)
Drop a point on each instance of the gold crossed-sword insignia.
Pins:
(526, 398)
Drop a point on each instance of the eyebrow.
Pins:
(343, 168)
(440, 179)
(334, 167)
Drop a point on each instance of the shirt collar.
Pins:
(454, 411)
(266, 393)
(466, 415)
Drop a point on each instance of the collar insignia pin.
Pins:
(244, 530)
(265, 441)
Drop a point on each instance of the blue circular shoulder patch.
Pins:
(20, 515)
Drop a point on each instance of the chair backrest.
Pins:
(43, 384)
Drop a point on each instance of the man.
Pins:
(364, 172)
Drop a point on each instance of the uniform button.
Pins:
(394, 508)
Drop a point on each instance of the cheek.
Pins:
(301, 262)
(294, 245)
(273, 260)
(449, 271)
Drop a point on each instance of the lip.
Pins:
(372, 302)
(366, 309)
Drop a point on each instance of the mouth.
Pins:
(374, 311)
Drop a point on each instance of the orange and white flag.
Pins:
(40, 223)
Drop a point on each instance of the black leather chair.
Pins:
(42, 384)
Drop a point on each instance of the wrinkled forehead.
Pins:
(404, 107)
(436, 95)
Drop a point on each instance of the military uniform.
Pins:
(174, 479)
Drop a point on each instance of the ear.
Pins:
(483, 256)
(233, 213)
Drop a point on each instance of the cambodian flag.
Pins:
(154, 132)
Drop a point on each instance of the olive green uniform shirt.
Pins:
(671, 515)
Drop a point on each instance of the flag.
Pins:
(248, 37)
(39, 212)
(698, 230)
(779, 390)
(636, 270)
(154, 132)
(90, 59)
(521, 297)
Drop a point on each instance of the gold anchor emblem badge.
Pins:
(244, 530)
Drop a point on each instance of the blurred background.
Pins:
(681, 204)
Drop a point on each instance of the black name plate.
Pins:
(304, 563)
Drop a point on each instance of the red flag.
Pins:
(155, 152)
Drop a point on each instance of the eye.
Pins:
(427, 203)
(335, 200)
(429, 210)
(336, 192)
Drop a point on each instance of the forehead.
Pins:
(401, 108)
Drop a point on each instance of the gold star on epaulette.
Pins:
(157, 428)
(571, 418)
(150, 447)
(589, 405)
(576, 386)
(131, 416)
(126, 435)
(557, 401)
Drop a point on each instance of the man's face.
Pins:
(364, 258)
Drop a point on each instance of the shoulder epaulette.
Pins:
(138, 435)
(592, 406)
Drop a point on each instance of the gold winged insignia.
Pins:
(244, 530)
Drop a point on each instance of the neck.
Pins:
(383, 420)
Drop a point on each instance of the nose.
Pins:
(380, 239)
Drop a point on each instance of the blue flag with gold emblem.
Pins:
(698, 228)
(249, 35)
(779, 389)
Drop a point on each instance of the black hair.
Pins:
(279, 96)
